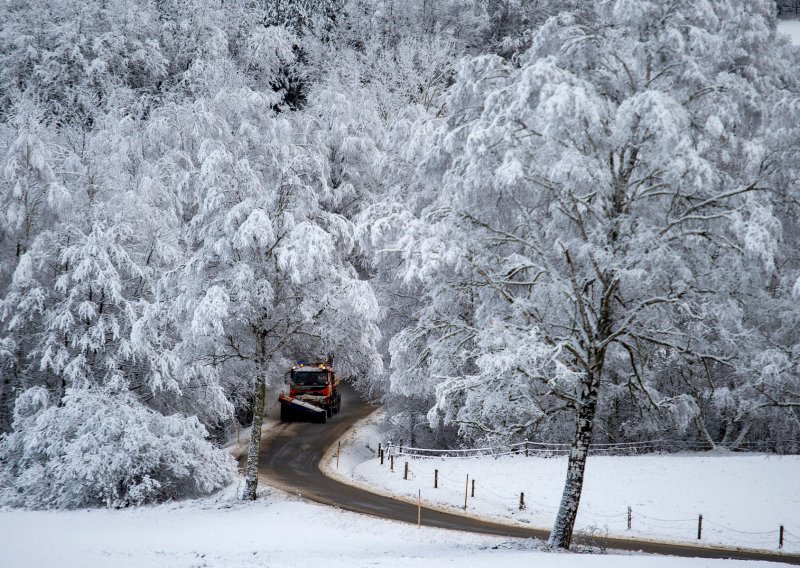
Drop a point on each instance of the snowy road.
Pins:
(290, 459)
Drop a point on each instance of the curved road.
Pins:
(290, 459)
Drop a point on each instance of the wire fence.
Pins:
(465, 491)
(547, 449)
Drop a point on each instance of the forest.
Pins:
(508, 220)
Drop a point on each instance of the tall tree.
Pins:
(590, 194)
(268, 275)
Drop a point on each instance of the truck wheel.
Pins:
(285, 414)
(329, 411)
(323, 417)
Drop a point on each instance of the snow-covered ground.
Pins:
(280, 530)
(790, 28)
(275, 531)
(744, 498)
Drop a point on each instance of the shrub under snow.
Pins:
(104, 448)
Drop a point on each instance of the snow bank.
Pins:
(743, 498)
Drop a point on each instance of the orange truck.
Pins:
(313, 393)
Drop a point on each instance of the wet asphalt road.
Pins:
(290, 459)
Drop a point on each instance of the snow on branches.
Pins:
(602, 203)
(99, 446)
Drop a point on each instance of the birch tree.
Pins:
(599, 201)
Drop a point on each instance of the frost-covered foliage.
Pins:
(587, 195)
(606, 208)
(195, 193)
(101, 447)
(162, 215)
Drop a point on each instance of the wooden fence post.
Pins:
(338, 451)
(405, 473)
(629, 518)
(391, 462)
(526, 448)
(466, 492)
(699, 527)
(473, 488)
(780, 537)
(436, 479)
(381, 456)
(522, 501)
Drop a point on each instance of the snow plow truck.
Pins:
(313, 393)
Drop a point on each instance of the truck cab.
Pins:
(312, 387)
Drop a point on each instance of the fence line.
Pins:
(680, 529)
(548, 449)
(727, 528)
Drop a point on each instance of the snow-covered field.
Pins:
(276, 531)
(790, 28)
(743, 498)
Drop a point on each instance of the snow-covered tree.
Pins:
(32, 198)
(100, 446)
(31, 193)
(589, 196)
(267, 277)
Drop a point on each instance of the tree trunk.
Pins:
(259, 394)
(561, 535)
(6, 404)
(251, 479)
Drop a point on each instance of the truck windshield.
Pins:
(311, 378)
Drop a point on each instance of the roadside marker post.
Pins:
(419, 507)
(466, 493)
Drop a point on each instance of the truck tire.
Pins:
(286, 415)
(329, 410)
(323, 417)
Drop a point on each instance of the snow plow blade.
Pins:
(292, 409)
